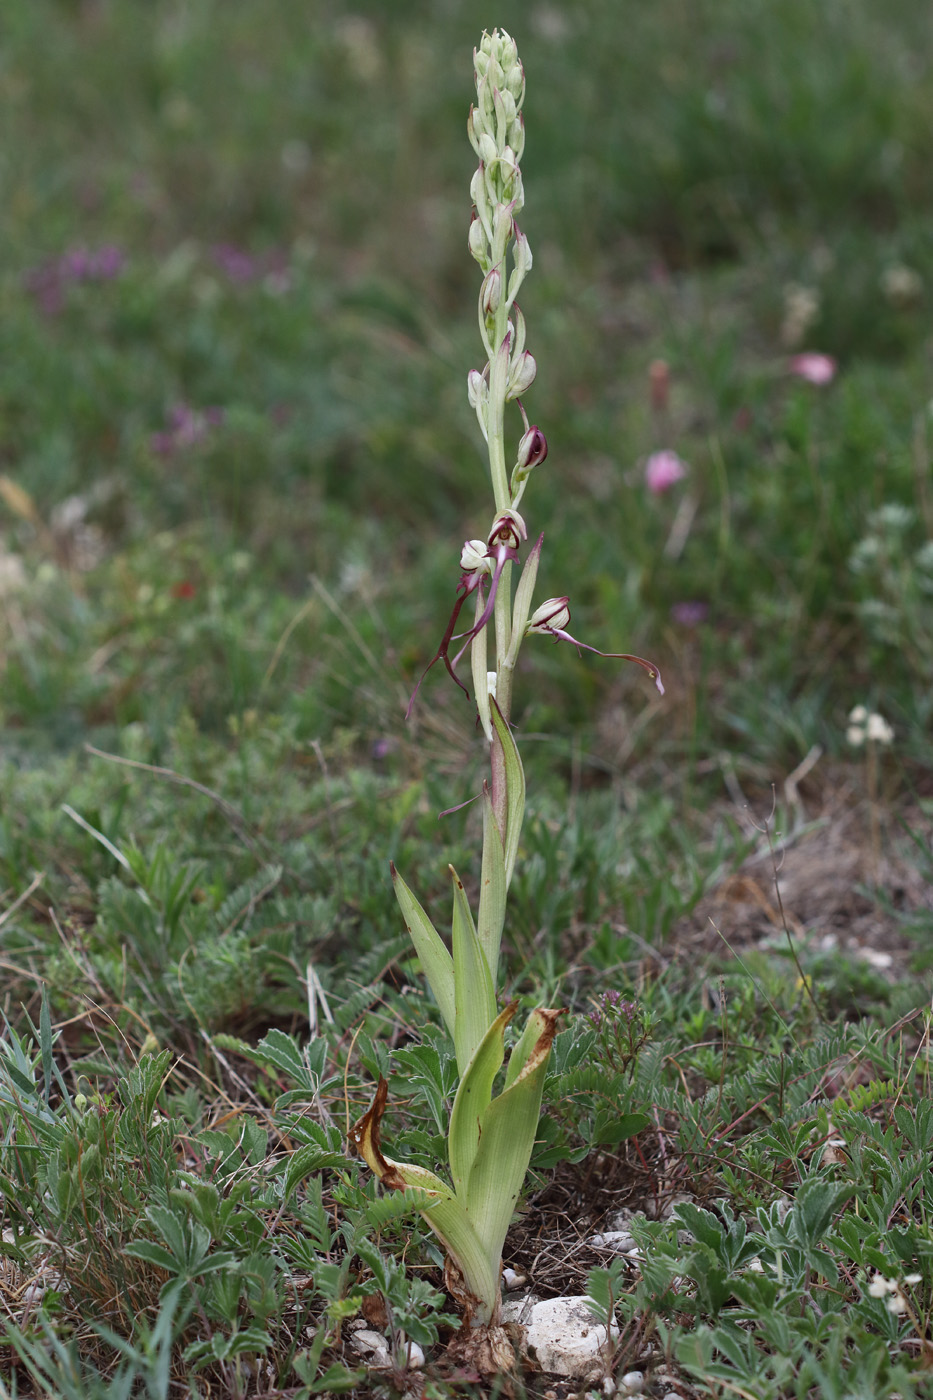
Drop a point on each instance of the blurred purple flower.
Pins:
(241, 267)
(662, 470)
(238, 265)
(186, 427)
(814, 368)
(49, 280)
(690, 613)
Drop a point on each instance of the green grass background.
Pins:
(287, 186)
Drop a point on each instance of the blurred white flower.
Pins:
(901, 284)
(801, 308)
(873, 727)
(879, 731)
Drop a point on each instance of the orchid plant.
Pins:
(491, 1133)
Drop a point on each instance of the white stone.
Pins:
(415, 1356)
(374, 1347)
(874, 957)
(562, 1335)
(632, 1383)
(511, 1280)
(619, 1241)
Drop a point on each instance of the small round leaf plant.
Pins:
(493, 1121)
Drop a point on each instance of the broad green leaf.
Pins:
(508, 1134)
(435, 959)
(515, 791)
(336, 1379)
(491, 917)
(152, 1253)
(473, 1098)
(305, 1160)
(474, 995)
(436, 1202)
(278, 1049)
(625, 1125)
(524, 1046)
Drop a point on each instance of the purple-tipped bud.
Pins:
(522, 375)
(550, 616)
(491, 292)
(477, 388)
(474, 129)
(532, 449)
(521, 253)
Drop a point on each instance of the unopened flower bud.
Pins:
(477, 387)
(518, 331)
(503, 223)
(516, 136)
(532, 450)
(521, 256)
(478, 244)
(521, 376)
(488, 151)
(515, 82)
(491, 292)
(473, 557)
(555, 613)
(508, 53)
(474, 129)
(505, 107)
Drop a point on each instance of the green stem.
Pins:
(498, 377)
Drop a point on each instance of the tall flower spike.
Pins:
(551, 620)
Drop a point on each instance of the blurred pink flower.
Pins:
(814, 368)
(663, 470)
